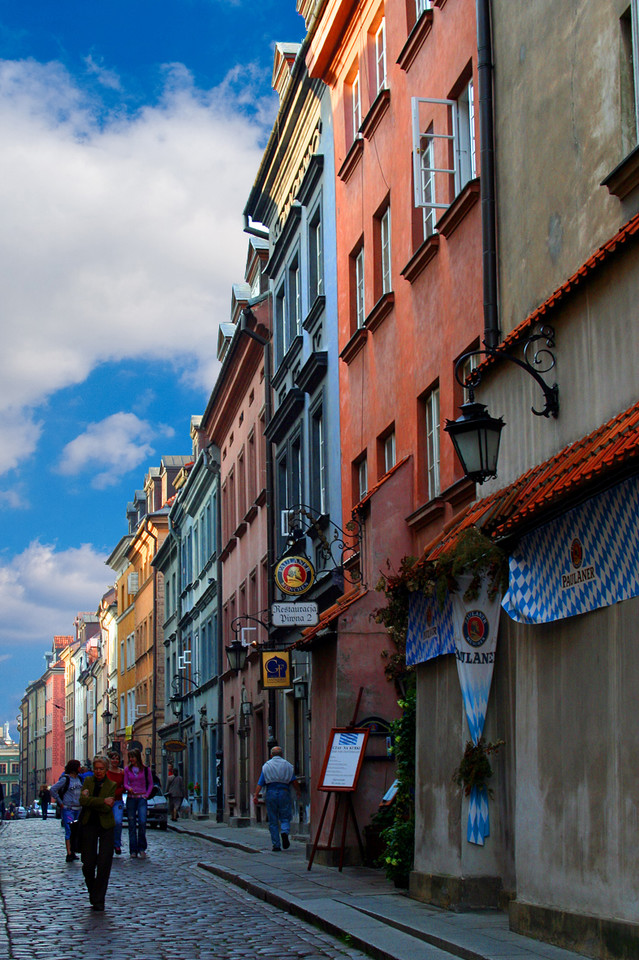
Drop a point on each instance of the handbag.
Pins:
(75, 828)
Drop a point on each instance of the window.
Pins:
(432, 442)
(315, 255)
(3, 768)
(356, 107)
(469, 364)
(385, 249)
(357, 263)
(288, 309)
(251, 469)
(296, 488)
(444, 152)
(130, 651)
(389, 451)
(466, 162)
(380, 58)
(318, 461)
(428, 183)
(362, 478)
(421, 6)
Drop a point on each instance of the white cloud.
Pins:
(108, 78)
(117, 444)
(119, 237)
(42, 589)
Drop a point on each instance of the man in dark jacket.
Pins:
(97, 825)
(44, 797)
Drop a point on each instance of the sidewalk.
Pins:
(359, 904)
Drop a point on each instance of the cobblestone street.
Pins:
(162, 908)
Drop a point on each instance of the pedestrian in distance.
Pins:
(116, 774)
(138, 783)
(175, 793)
(44, 796)
(97, 824)
(276, 777)
(66, 793)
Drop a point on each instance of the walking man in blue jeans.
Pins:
(277, 776)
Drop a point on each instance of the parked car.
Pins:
(21, 813)
(157, 811)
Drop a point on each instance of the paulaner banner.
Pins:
(475, 625)
(586, 559)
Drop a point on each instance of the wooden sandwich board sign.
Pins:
(339, 776)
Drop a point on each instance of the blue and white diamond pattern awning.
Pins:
(586, 559)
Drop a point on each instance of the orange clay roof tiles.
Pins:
(607, 449)
(329, 614)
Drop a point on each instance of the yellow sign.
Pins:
(128, 732)
(276, 669)
(294, 575)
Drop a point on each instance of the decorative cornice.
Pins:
(463, 202)
(625, 177)
(313, 371)
(352, 159)
(377, 110)
(380, 311)
(421, 258)
(354, 345)
(415, 40)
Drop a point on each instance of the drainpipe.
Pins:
(492, 333)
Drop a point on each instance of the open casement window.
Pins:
(380, 58)
(441, 151)
(356, 107)
(421, 6)
(360, 315)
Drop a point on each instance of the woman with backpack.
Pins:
(66, 793)
(138, 783)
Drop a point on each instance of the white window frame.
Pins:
(316, 252)
(381, 76)
(465, 132)
(356, 106)
(421, 6)
(362, 478)
(389, 452)
(430, 135)
(385, 250)
(432, 443)
(360, 290)
(427, 184)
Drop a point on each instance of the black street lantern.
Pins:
(237, 654)
(475, 436)
(176, 706)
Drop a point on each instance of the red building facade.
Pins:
(409, 260)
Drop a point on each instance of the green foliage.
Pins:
(475, 769)
(397, 822)
(472, 553)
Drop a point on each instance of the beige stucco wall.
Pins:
(577, 759)
(559, 131)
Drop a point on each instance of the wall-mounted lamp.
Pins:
(177, 707)
(475, 435)
(237, 653)
(246, 708)
(300, 689)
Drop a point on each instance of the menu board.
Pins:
(343, 760)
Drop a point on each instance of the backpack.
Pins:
(63, 790)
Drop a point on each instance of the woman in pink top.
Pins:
(138, 783)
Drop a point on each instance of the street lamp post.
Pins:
(107, 716)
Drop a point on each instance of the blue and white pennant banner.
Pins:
(475, 626)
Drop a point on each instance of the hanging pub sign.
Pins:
(476, 624)
(294, 575)
(276, 669)
(174, 746)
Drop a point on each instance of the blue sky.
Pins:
(130, 133)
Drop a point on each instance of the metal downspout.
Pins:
(492, 334)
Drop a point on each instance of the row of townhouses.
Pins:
(446, 215)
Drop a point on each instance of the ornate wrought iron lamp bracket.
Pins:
(337, 548)
(537, 360)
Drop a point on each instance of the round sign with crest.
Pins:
(294, 575)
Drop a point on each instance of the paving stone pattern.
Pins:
(161, 908)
